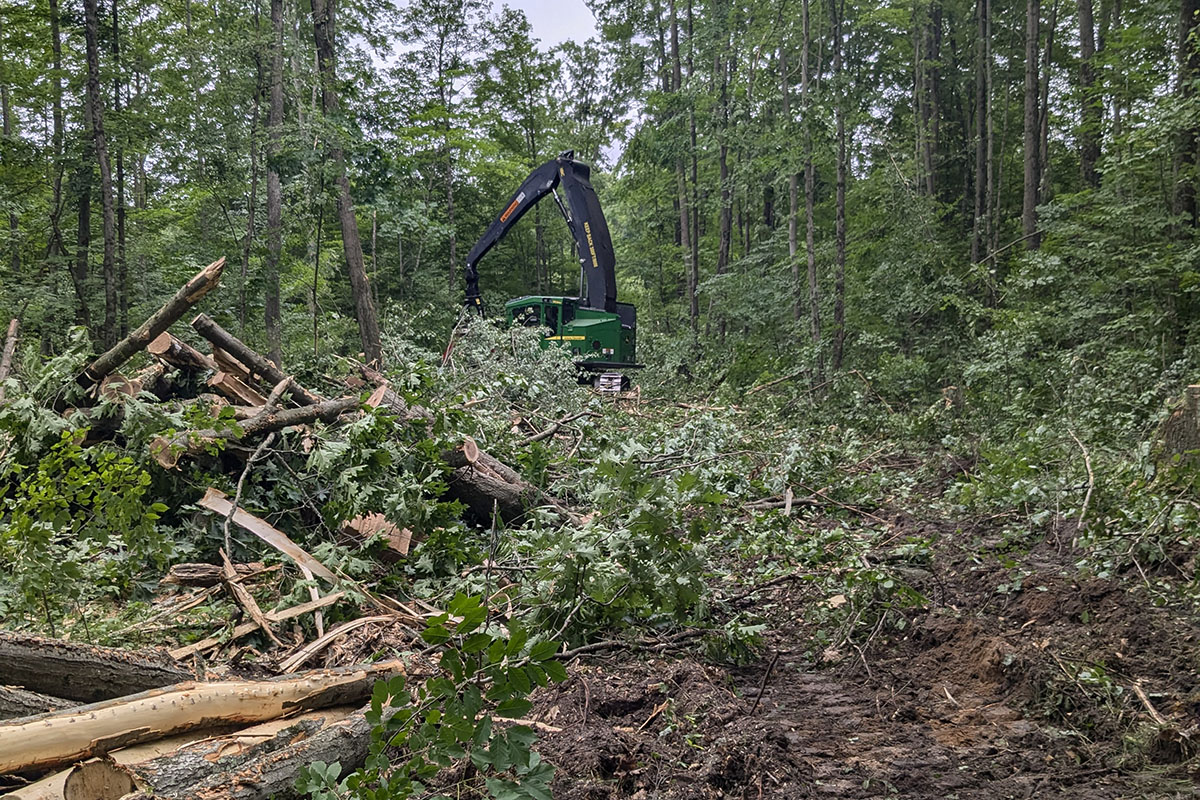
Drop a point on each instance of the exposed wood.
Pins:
(69, 784)
(244, 599)
(249, 627)
(256, 362)
(236, 389)
(228, 363)
(49, 740)
(168, 450)
(206, 575)
(217, 501)
(266, 770)
(180, 354)
(18, 702)
(153, 379)
(10, 345)
(83, 672)
(397, 540)
(116, 388)
(188, 295)
(305, 653)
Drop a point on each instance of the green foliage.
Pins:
(484, 677)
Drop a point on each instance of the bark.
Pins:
(487, 487)
(814, 307)
(1189, 137)
(16, 702)
(122, 270)
(266, 770)
(1090, 107)
(205, 575)
(49, 740)
(91, 30)
(982, 112)
(839, 112)
(360, 287)
(1044, 109)
(793, 194)
(274, 326)
(13, 221)
(56, 246)
(10, 345)
(262, 367)
(685, 217)
(83, 237)
(180, 354)
(168, 451)
(1031, 126)
(187, 296)
(75, 671)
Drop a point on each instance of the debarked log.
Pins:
(83, 672)
(49, 740)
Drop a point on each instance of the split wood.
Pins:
(248, 627)
(244, 599)
(301, 656)
(218, 501)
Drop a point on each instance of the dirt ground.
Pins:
(987, 694)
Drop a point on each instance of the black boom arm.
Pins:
(584, 218)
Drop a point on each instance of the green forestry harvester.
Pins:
(598, 331)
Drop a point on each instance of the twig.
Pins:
(555, 426)
(821, 493)
(762, 686)
(1087, 498)
(258, 451)
(1141, 695)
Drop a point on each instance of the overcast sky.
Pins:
(555, 21)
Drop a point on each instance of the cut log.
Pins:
(16, 702)
(79, 782)
(10, 346)
(218, 501)
(180, 354)
(49, 740)
(486, 486)
(168, 451)
(116, 388)
(236, 389)
(83, 672)
(187, 296)
(153, 379)
(228, 363)
(396, 540)
(216, 771)
(249, 627)
(252, 359)
(206, 575)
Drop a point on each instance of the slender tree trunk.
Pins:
(725, 215)
(1030, 156)
(814, 306)
(122, 269)
(1189, 138)
(56, 246)
(685, 218)
(252, 198)
(1089, 116)
(91, 29)
(13, 221)
(273, 322)
(695, 200)
(360, 289)
(982, 112)
(793, 194)
(1044, 109)
(839, 112)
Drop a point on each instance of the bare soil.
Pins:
(1019, 693)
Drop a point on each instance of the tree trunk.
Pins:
(91, 29)
(360, 289)
(839, 111)
(49, 740)
(75, 671)
(13, 221)
(793, 192)
(982, 112)
(82, 185)
(1030, 156)
(56, 246)
(1189, 138)
(122, 268)
(1090, 107)
(16, 703)
(1044, 109)
(180, 354)
(274, 326)
(187, 296)
(814, 306)
(685, 217)
(271, 374)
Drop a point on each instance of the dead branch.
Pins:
(249, 627)
(256, 362)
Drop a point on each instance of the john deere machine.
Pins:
(600, 332)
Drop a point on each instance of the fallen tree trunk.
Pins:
(487, 486)
(205, 575)
(187, 296)
(83, 672)
(215, 770)
(16, 702)
(49, 740)
(167, 451)
(180, 354)
(102, 778)
(255, 361)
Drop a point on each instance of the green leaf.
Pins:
(513, 707)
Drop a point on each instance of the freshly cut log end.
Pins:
(179, 354)
(83, 672)
(98, 780)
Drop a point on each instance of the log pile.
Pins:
(78, 720)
